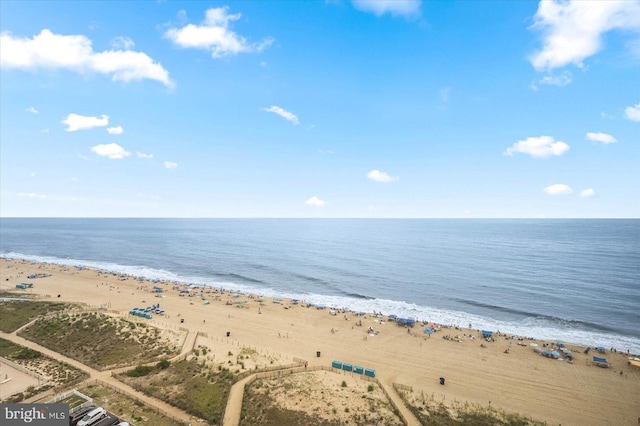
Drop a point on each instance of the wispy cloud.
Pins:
(632, 112)
(558, 189)
(588, 193)
(601, 137)
(32, 195)
(215, 35)
(32, 110)
(117, 130)
(315, 202)
(75, 122)
(394, 7)
(379, 176)
(541, 147)
(572, 30)
(283, 113)
(75, 53)
(112, 151)
(170, 165)
(559, 80)
(121, 42)
(143, 155)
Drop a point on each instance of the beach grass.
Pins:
(73, 400)
(193, 386)
(16, 313)
(57, 374)
(432, 412)
(315, 398)
(99, 340)
(126, 408)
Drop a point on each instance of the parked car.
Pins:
(92, 416)
(123, 424)
(109, 420)
(77, 415)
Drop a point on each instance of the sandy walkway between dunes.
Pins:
(520, 381)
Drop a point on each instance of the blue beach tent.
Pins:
(406, 321)
(428, 330)
(486, 333)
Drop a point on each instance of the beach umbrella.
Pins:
(428, 330)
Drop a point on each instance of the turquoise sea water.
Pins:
(575, 280)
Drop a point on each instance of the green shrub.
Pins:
(139, 371)
(27, 353)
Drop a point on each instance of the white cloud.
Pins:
(112, 151)
(379, 176)
(124, 43)
(215, 35)
(632, 112)
(32, 195)
(572, 30)
(77, 122)
(394, 7)
(283, 113)
(143, 155)
(555, 80)
(170, 165)
(75, 53)
(315, 202)
(115, 130)
(541, 146)
(588, 193)
(32, 110)
(558, 189)
(601, 137)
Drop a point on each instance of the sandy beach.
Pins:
(506, 373)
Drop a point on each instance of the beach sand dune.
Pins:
(522, 381)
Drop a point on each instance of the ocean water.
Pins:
(574, 280)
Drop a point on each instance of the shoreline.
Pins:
(519, 381)
(423, 314)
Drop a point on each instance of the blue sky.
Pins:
(337, 108)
